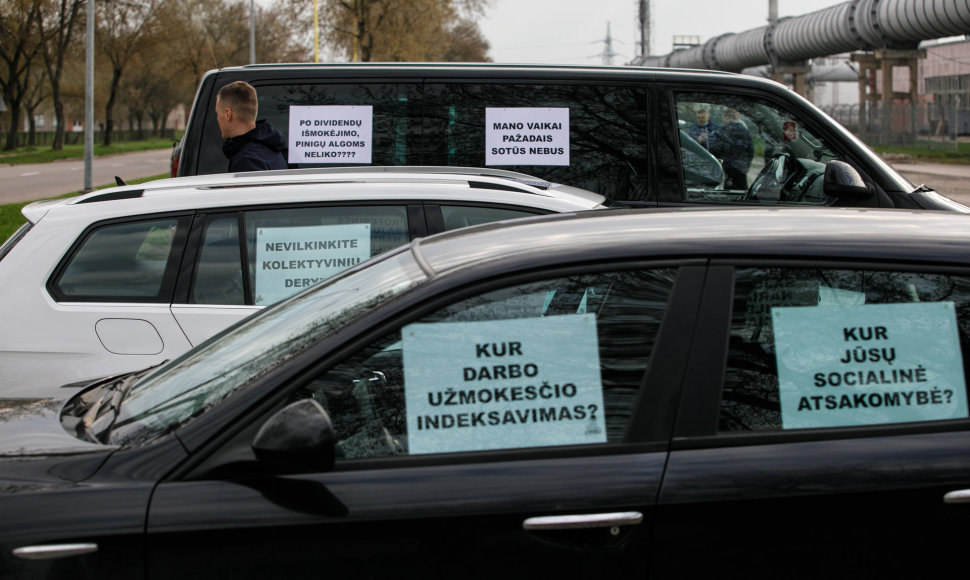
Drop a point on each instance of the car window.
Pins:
(554, 362)
(394, 110)
(289, 250)
(743, 149)
(193, 383)
(134, 261)
(460, 216)
(589, 136)
(813, 348)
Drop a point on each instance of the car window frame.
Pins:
(172, 267)
(698, 414)
(424, 219)
(673, 189)
(203, 134)
(218, 436)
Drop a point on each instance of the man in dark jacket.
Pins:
(250, 145)
(732, 144)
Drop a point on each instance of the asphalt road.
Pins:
(19, 183)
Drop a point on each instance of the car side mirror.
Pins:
(842, 180)
(299, 437)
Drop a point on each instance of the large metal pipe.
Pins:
(852, 25)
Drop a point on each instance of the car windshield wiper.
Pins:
(95, 424)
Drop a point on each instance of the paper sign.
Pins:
(293, 258)
(527, 136)
(331, 134)
(868, 365)
(503, 384)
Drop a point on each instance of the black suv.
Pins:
(637, 135)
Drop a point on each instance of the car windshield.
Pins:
(202, 377)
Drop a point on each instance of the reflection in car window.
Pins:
(556, 362)
(742, 149)
(194, 382)
(461, 216)
(129, 261)
(815, 348)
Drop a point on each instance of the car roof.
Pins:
(924, 237)
(317, 184)
(473, 67)
(438, 71)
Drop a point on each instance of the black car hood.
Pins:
(30, 427)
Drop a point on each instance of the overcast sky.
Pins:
(573, 31)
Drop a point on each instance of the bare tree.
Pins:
(18, 47)
(37, 93)
(402, 30)
(56, 27)
(125, 27)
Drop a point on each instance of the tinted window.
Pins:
(395, 111)
(593, 137)
(556, 362)
(588, 136)
(739, 148)
(219, 277)
(815, 348)
(460, 216)
(130, 261)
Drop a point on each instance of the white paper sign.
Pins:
(293, 258)
(503, 384)
(868, 364)
(527, 136)
(331, 134)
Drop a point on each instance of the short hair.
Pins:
(239, 96)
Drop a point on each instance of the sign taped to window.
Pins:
(868, 365)
(527, 136)
(331, 134)
(289, 259)
(501, 384)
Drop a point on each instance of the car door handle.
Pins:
(957, 497)
(54, 551)
(582, 521)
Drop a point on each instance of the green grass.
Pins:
(929, 151)
(11, 218)
(24, 155)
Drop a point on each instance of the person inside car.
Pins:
(250, 145)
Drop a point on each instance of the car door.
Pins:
(244, 260)
(103, 310)
(512, 427)
(829, 442)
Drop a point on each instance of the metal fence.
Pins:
(923, 125)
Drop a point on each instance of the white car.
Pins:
(121, 279)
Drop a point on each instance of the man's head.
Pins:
(730, 116)
(703, 115)
(236, 108)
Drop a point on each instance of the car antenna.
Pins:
(119, 181)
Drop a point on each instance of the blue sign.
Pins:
(868, 364)
(502, 384)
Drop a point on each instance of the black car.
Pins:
(629, 133)
(617, 393)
